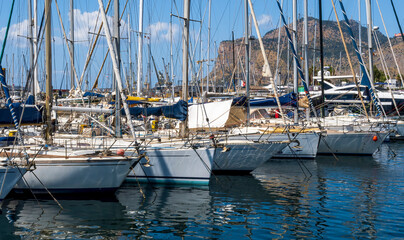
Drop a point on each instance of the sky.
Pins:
(227, 16)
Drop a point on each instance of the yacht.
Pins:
(347, 95)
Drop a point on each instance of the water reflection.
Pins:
(348, 197)
(159, 211)
(239, 202)
(78, 219)
(341, 198)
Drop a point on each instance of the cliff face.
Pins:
(334, 53)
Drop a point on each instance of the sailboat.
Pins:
(335, 142)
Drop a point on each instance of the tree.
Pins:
(378, 75)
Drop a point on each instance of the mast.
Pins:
(360, 35)
(149, 55)
(314, 54)
(35, 42)
(171, 53)
(185, 42)
(48, 65)
(130, 58)
(321, 57)
(295, 78)
(306, 55)
(31, 44)
(118, 132)
(72, 43)
(208, 65)
(234, 61)
(214, 68)
(306, 43)
(370, 42)
(247, 61)
(140, 51)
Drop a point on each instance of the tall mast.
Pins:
(314, 54)
(118, 132)
(247, 60)
(149, 62)
(185, 42)
(31, 44)
(306, 43)
(35, 42)
(208, 62)
(306, 55)
(370, 42)
(140, 51)
(320, 16)
(295, 78)
(48, 65)
(234, 61)
(214, 67)
(171, 53)
(130, 57)
(72, 43)
(360, 35)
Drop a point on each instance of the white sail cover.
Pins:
(217, 112)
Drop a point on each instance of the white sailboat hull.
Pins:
(174, 165)
(304, 145)
(76, 175)
(351, 143)
(9, 176)
(245, 156)
(400, 128)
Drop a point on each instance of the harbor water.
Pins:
(349, 197)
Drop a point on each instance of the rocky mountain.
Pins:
(334, 53)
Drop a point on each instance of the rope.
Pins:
(54, 199)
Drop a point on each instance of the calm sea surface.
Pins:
(352, 197)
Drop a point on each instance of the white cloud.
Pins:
(160, 31)
(16, 33)
(264, 20)
(85, 22)
(86, 25)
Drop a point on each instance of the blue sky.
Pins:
(226, 16)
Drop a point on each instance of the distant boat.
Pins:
(347, 95)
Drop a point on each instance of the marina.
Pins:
(268, 135)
